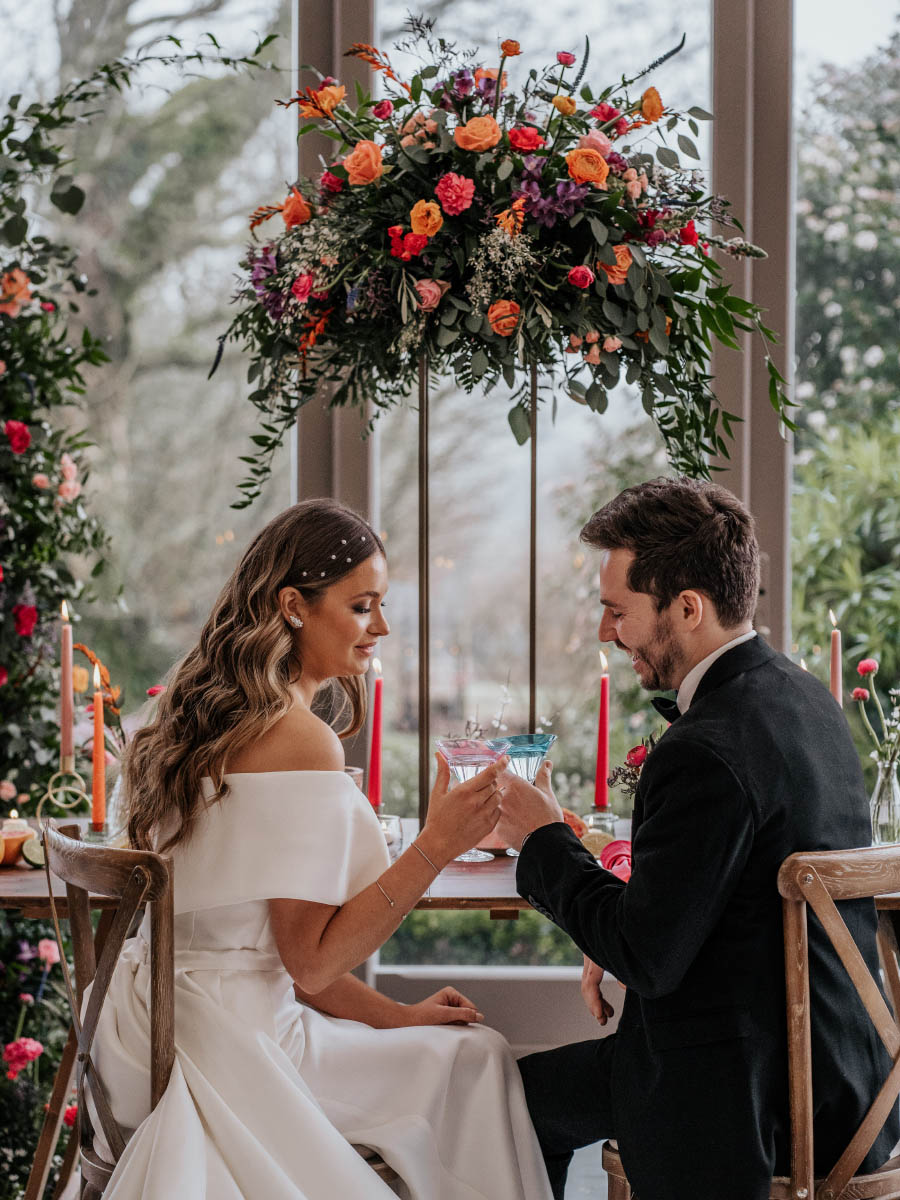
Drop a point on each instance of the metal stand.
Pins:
(424, 599)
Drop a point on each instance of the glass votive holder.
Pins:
(356, 774)
(393, 832)
(602, 820)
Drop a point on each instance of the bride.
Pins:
(284, 1060)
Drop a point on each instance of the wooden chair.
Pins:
(818, 880)
(134, 878)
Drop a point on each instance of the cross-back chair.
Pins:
(134, 878)
(817, 880)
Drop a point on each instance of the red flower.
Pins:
(407, 247)
(525, 138)
(860, 693)
(636, 756)
(564, 58)
(616, 857)
(18, 1054)
(70, 1116)
(581, 277)
(331, 183)
(454, 192)
(156, 690)
(868, 666)
(25, 617)
(688, 235)
(607, 112)
(19, 436)
(382, 110)
(4, 676)
(1, 572)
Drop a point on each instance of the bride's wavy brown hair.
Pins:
(234, 684)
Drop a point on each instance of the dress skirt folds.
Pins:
(267, 1096)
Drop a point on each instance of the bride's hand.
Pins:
(446, 1007)
(460, 817)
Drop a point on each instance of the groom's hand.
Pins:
(591, 978)
(525, 808)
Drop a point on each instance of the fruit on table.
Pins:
(595, 840)
(574, 822)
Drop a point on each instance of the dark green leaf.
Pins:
(519, 423)
(505, 169)
(700, 114)
(667, 157)
(688, 146)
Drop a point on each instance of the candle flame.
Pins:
(64, 610)
(803, 664)
(376, 665)
(13, 812)
(98, 682)
(604, 662)
(833, 618)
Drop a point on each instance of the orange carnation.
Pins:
(425, 217)
(363, 163)
(564, 105)
(588, 166)
(623, 262)
(481, 133)
(651, 105)
(295, 210)
(504, 316)
(324, 101)
(510, 48)
(15, 292)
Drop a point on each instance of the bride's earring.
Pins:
(295, 621)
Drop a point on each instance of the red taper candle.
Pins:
(375, 751)
(601, 787)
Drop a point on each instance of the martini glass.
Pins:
(526, 753)
(465, 758)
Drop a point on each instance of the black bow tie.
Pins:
(666, 708)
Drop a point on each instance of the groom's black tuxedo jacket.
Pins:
(760, 765)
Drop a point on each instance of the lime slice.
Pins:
(33, 851)
(594, 841)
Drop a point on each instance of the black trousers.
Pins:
(569, 1095)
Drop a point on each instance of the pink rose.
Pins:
(454, 193)
(611, 344)
(605, 113)
(70, 1116)
(636, 756)
(4, 676)
(2, 367)
(48, 952)
(68, 466)
(595, 140)
(593, 355)
(564, 58)
(69, 489)
(156, 690)
(26, 998)
(430, 293)
(525, 139)
(19, 436)
(575, 341)
(301, 287)
(581, 277)
(382, 110)
(616, 858)
(40, 480)
(857, 694)
(633, 188)
(47, 306)
(592, 336)
(7, 790)
(18, 1054)
(25, 617)
(868, 666)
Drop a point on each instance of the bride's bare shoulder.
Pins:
(300, 741)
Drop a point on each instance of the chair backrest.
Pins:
(134, 878)
(818, 879)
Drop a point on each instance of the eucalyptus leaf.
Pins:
(667, 157)
(519, 423)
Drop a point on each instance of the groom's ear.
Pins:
(689, 609)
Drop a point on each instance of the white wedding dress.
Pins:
(268, 1097)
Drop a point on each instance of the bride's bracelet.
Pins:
(416, 846)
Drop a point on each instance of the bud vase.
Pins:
(884, 805)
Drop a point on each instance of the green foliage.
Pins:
(428, 936)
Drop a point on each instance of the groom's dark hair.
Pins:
(684, 534)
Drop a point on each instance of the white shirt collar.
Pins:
(685, 693)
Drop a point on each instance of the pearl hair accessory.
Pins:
(322, 574)
(295, 621)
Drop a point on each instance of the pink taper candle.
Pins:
(98, 759)
(375, 752)
(837, 672)
(66, 698)
(601, 787)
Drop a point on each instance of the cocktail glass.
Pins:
(526, 753)
(465, 758)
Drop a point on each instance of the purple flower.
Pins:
(616, 161)
(569, 197)
(262, 268)
(533, 166)
(27, 952)
(487, 89)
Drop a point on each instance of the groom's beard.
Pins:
(657, 669)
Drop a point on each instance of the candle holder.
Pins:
(67, 790)
(601, 819)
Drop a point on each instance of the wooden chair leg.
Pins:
(68, 1162)
(43, 1155)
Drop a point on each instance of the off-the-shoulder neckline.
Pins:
(293, 771)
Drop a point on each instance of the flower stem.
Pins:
(878, 706)
(499, 86)
(865, 721)
(20, 1024)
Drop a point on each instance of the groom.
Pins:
(758, 763)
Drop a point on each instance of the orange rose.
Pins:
(325, 100)
(564, 105)
(295, 210)
(15, 291)
(510, 48)
(504, 317)
(623, 262)
(588, 166)
(481, 133)
(364, 163)
(651, 105)
(489, 73)
(425, 217)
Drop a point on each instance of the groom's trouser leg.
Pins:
(569, 1094)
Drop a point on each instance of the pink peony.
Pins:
(18, 1054)
(611, 344)
(7, 790)
(70, 1116)
(19, 436)
(382, 110)
(868, 666)
(595, 140)
(564, 58)
(860, 693)
(25, 617)
(301, 287)
(48, 952)
(40, 480)
(454, 193)
(581, 277)
(69, 489)
(636, 756)
(68, 467)
(156, 690)
(430, 293)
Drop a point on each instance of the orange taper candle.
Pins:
(837, 671)
(98, 758)
(66, 698)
